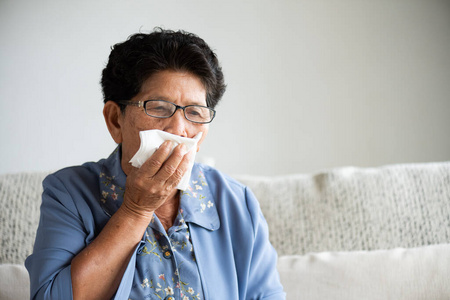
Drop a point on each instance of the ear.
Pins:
(113, 118)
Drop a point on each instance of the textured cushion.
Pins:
(14, 282)
(352, 209)
(401, 274)
(20, 198)
(347, 209)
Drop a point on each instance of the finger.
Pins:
(154, 163)
(170, 166)
(180, 171)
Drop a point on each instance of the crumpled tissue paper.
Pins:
(152, 139)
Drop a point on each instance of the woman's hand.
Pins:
(148, 187)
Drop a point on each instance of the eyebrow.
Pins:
(191, 102)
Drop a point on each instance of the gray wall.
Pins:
(311, 84)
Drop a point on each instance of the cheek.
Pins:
(137, 123)
(204, 129)
(131, 140)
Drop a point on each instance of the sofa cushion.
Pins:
(14, 282)
(353, 209)
(401, 274)
(20, 198)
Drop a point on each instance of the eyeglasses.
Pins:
(165, 109)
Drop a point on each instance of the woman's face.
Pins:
(177, 87)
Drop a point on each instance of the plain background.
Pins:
(311, 84)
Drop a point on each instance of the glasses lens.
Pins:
(199, 114)
(160, 109)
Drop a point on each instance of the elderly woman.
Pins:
(110, 230)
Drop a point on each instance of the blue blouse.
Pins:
(218, 247)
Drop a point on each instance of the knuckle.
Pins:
(155, 163)
(178, 155)
(139, 182)
(178, 174)
(153, 190)
(168, 188)
(169, 169)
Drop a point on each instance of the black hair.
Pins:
(142, 55)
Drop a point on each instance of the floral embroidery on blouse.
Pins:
(112, 183)
(194, 190)
(152, 250)
(110, 191)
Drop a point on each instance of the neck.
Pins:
(168, 211)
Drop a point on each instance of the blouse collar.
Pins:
(198, 203)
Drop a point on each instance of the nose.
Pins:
(177, 123)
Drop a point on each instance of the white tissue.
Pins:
(152, 139)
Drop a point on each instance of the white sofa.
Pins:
(346, 233)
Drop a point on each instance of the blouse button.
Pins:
(169, 298)
(167, 254)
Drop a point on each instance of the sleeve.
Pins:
(60, 236)
(263, 278)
